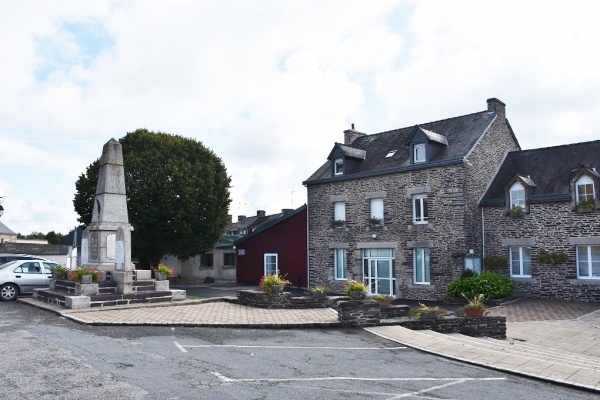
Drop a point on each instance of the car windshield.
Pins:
(8, 264)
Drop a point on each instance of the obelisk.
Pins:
(106, 242)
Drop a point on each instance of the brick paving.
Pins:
(207, 314)
(544, 310)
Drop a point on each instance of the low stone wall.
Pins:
(365, 313)
(260, 299)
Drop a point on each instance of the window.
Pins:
(229, 259)
(588, 262)
(517, 195)
(271, 264)
(339, 211)
(419, 153)
(339, 261)
(421, 266)
(391, 153)
(584, 190)
(338, 166)
(377, 209)
(206, 260)
(520, 261)
(420, 213)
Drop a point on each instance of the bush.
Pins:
(491, 285)
(416, 312)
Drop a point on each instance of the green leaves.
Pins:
(177, 195)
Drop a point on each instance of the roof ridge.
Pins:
(425, 123)
(554, 147)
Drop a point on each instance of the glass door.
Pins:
(379, 276)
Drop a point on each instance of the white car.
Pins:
(22, 276)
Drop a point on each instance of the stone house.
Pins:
(6, 234)
(400, 209)
(540, 220)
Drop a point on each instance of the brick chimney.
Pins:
(351, 134)
(260, 213)
(497, 106)
(241, 218)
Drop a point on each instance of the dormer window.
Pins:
(517, 196)
(584, 190)
(338, 166)
(419, 153)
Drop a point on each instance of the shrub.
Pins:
(272, 280)
(416, 312)
(61, 270)
(354, 286)
(490, 284)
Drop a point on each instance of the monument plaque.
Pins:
(94, 246)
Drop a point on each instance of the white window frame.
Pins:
(340, 264)
(377, 209)
(423, 216)
(587, 249)
(584, 181)
(373, 260)
(522, 253)
(419, 155)
(267, 255)
(339, 211)
(425, 266)
(517, 195)
(338, 166)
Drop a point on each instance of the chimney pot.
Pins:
(260, 213)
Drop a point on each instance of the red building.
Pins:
(278, 246)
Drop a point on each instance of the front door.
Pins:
(379, 275)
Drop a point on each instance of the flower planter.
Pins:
(86, 279)
(56, 276)
(471, 312)
(161, 276)
(356, 295)
(276, 289)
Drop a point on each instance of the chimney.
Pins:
(241, 218)
(351, 134)
(260, 213)
(230, 218)
(496, 106)
(286, 210)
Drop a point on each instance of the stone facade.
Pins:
(453, 188)
(551, 227)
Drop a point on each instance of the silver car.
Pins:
(22, 276)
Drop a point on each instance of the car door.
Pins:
(30, 275)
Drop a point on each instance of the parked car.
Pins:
(6, 257)
(22, 276)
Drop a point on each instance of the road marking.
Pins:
(350, 378)
(180, 347)
(204, 346)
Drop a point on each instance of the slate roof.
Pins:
(250, 224)
(34, 249)
(5, 230)
(461, 134)
(68, 240)
(284, 216)
(550, 169)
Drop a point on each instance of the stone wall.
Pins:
(445, 231)
(549, 227)
(260, 299)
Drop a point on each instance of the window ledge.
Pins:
(524, 279)
(585, 282)
(424, 286)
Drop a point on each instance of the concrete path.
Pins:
(551, 340)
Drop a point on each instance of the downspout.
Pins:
(307, 252)
(482, 239)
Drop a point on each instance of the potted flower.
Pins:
(374, 221)
(319, 291)
(475, 306)
(355, 289)
(425, 312)
(84, 275)
(338, 223)
(59, 272)
(162, 272)
(384, 300)
(273, 283)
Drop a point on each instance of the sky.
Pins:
(271, 85)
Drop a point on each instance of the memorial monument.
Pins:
(106, 242)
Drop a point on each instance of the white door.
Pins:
(379, 276)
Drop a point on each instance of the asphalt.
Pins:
(555, 341)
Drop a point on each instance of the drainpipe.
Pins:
(482, 240)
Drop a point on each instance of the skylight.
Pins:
(391, 153)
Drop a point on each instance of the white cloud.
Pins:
(270, 86)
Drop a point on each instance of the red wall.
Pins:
(288, 240)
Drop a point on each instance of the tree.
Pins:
(177, 195)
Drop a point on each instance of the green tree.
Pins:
(177, 195)
(54, 237)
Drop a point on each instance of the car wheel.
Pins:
(9, 292)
